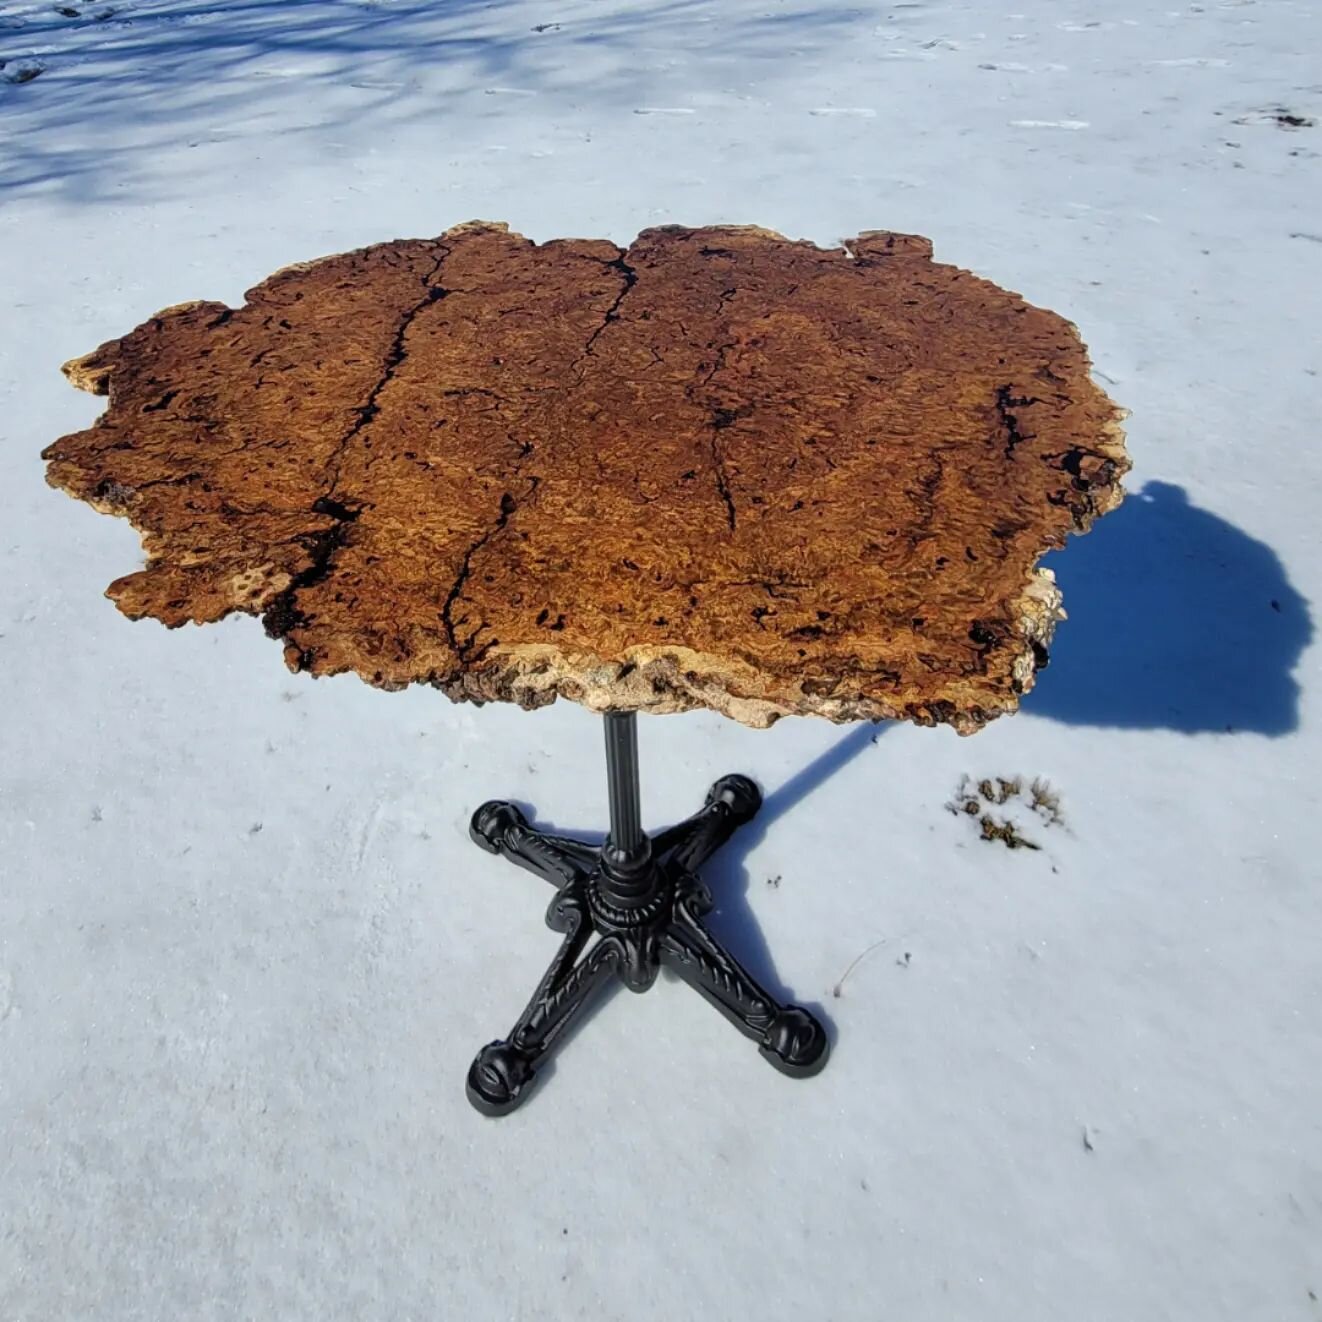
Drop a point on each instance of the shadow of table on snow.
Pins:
(1178, 621)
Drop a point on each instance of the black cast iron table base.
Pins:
(642, 899)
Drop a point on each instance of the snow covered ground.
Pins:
(246, 948)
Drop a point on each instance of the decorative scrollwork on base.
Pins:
(664, 926)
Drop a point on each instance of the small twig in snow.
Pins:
(837, 991)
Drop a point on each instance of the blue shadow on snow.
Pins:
(1178, 620)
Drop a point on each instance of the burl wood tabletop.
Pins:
(719, 469)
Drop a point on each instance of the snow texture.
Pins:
(246, 948)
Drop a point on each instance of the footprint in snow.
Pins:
(1281, 116)
(21, 71)
(1010, 67)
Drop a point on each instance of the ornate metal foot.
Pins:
(503, 1071)
(731, 802)
(787, 1035)
(500, 828)
(640, 920)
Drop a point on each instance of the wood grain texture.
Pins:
(719, 469)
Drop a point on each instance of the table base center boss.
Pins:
(641, 897)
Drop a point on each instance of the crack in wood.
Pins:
(941, 515)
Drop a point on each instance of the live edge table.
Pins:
(717, 469)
